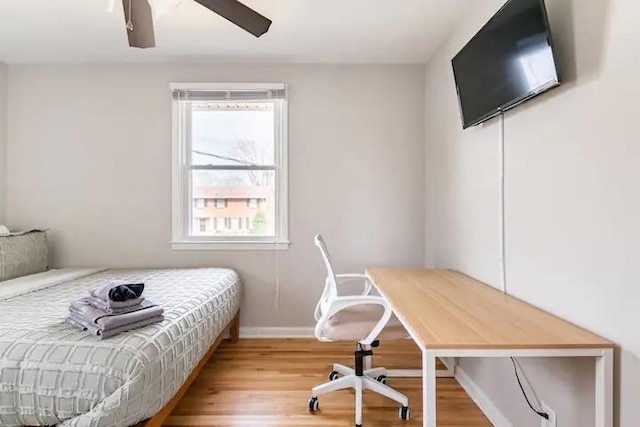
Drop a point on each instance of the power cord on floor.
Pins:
(540, 413)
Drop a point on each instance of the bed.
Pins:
(53, 374)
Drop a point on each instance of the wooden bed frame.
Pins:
(234, 329)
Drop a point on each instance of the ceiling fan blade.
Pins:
(139, 22)
(241, 15)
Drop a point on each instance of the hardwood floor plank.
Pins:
(256, 383)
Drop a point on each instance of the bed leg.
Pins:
(234, 329)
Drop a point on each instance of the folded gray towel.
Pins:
(101, 334)
(107, 321)
(113, 307)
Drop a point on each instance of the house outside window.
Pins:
(230, 146)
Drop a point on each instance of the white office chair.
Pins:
(364, 319)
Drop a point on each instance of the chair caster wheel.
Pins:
(313, 404)
(333, 376)
(404, 413)
(382, 379)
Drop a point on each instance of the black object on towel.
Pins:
(126, 292)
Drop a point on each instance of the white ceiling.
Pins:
(347, 31)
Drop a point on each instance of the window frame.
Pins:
(181, 189)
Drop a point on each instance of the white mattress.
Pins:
(51, 373)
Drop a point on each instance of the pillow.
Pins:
(22, 254)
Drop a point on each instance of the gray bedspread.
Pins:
(51, 373)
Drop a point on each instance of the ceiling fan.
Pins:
(138, 16)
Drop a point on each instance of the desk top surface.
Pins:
(445, 309)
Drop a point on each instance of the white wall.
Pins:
(3, 140)
(572, 202)
(90, 158)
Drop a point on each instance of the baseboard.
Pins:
(275, 332)
(484, 403)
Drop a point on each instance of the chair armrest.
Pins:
(341, 303)
(341, 278)
(351, 276)
(368, 285)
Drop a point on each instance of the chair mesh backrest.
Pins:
(330, 289)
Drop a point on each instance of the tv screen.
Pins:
(510, 60)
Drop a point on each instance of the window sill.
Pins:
(190, 245)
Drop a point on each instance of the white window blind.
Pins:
(227, 95)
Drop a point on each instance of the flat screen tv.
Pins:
(509, 61)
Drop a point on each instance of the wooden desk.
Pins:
(450, 315)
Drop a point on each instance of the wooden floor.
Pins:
(266, 383)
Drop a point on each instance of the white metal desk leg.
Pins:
(604, 389)
(428, 389)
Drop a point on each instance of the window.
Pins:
(230, 145)
(202, 224)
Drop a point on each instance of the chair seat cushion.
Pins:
(355, 323)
